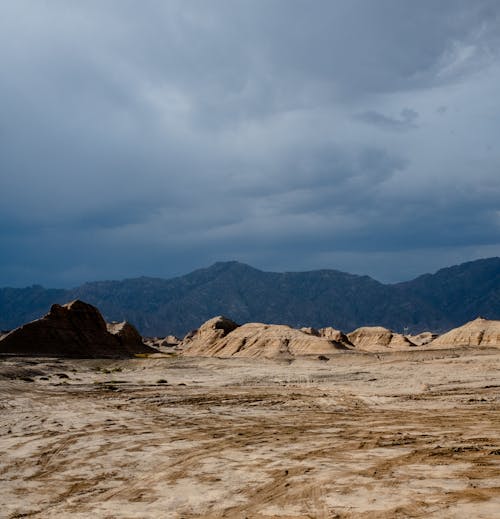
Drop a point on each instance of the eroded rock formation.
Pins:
(170, 341)
(221, 337)
(75, 329)
(335, 335)
(126, 333)
(480, 332)
(378, 338)
(422, 339)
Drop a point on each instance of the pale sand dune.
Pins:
(386, 435)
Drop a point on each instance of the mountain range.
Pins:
(157, 307)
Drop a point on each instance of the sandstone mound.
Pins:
(423, 338)
(310, 331)
(154, 342)
(76, 329)
(335, 335)
(329, 333)
(378, 338)
(170, 341)
(257, 340)
(480, 332)
(209, 333)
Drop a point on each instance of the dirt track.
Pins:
(362, 435)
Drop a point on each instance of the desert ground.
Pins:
(369, 435)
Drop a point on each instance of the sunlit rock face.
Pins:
(255, 340)
(378, 338)
(480, 332)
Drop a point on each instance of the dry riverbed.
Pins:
(406, 434)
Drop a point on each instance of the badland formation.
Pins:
(284, 396)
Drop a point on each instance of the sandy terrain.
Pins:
(403, 434)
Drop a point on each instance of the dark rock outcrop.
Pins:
(129, 337)
(75, 329)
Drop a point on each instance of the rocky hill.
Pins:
(221, 337)
(76, 329)
(434, 302)
(480, 332)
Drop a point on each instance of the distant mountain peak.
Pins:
(230, 264)
(227, 266)
(315, 298)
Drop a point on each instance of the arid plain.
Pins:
(354, 434)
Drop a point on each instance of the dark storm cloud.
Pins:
(152, 138)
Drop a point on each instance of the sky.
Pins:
(155, 137)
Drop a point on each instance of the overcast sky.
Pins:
(155, 137)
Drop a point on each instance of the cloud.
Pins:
(406, 120)
(154, 138)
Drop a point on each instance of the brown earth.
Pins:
(369, 435)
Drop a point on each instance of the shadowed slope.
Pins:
(76, 329)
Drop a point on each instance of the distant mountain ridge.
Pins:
(435, 302)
